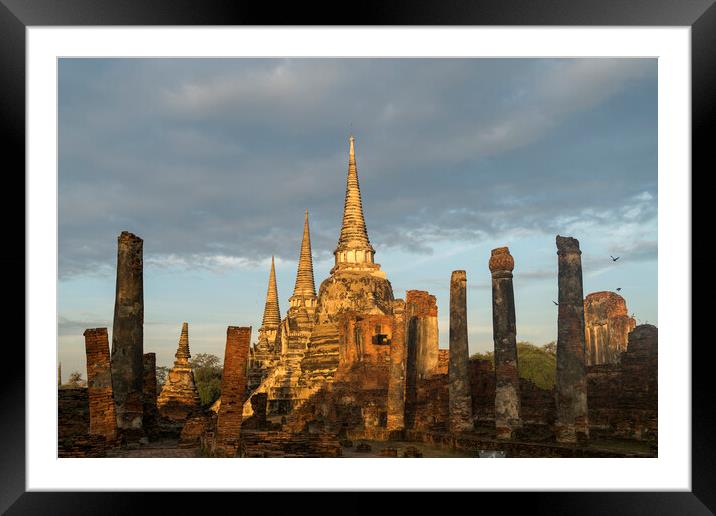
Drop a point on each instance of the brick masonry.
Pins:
(396, 376)
(102, 417)
(233, 389)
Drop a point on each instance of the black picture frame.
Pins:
(17, 15)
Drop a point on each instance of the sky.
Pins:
(214, 161)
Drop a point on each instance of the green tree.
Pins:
(551, 348)
(487, 355)
(207, 376)
(537, 364)
(534, 363)
(162, 372)
(75, 380)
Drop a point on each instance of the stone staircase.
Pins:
(283, 388)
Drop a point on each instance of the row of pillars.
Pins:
(571, 393)
(126, 374)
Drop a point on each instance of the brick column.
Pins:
(233, 390)
(396, 374)
(460, 402)
(571, 380)
(128, 337)
(411, 370)
(103, 420)
(423, 309)
(421, 314)
(504, 334)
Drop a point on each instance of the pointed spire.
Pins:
(305, 285)
(353, 232)
(182, 353)
(272, 313)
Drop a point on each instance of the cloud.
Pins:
(216, 263)
(293, 87)
(68, 326)
(213, 161)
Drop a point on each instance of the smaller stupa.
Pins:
(179, 396)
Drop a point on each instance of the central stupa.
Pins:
(356, 284)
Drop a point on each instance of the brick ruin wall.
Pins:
(233, 390)
(284, 444)
(74, 439)
(430, 411)
(623, 398)
(443, 361)
(103, 420)
(73, 412)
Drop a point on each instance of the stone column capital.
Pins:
(567, 245)
(501, 262)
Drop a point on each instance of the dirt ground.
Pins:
(169, 449)
(427, 450)
(161, 449)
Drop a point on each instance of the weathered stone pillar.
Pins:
(103, 420)
(233, 390)
(128, 337)
(396, 374)
(151, 413)
(571, 380)
(423, 309)
(460, 404)
(504, 334)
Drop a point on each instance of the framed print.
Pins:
(446, 234)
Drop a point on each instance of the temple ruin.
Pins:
(607, 327)
(349, 370)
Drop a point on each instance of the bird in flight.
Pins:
(614, 259)
(555, 303)
(618, 289)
